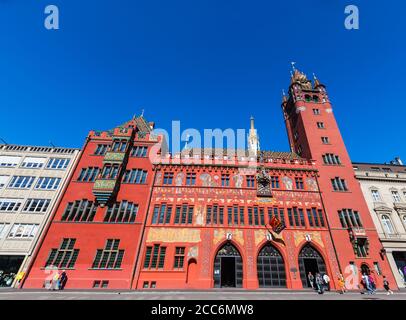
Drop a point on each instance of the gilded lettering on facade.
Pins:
(169, 235)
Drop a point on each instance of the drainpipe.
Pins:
(328, 225)
(137, 260)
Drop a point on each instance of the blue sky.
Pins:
(207, 63)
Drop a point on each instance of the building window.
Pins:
(274, 182)
(33, 163)
(9, 162)
(315, 217)
(168, 178)
(225, 180)
(110, 257)
(375, 195)
(23, 230)
(349, 218)
(79, 211)
(101, 149)
(121, 212)
(184, 214)
(21, 182)
(58, 163)
(296, 217)
(10, 205)
(215, 215)
(37, 205)
(339, 184)
(250, 181)
(361, 246)
(325, 140)
(3, 229)
(47, 183)
(256, 216)
(276, 212)
(155, 257)
(3, 181)
(320, 125)
(330, 158)
(65, 256)
(88, 174)
(135, 176)
(179, 258)
(119, 145)
(316, 112)
(190, 179)
(299, 183)
(162, 214)
(139, 151)
(235, 215)
(296, 135)
(387, 224)
(396, 196)
(110, 171)
(404, 220)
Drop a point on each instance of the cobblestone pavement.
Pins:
(14, 294)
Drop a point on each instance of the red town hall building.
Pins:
(200, 219)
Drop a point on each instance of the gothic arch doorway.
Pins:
(228, 267)
(310, 260)
(271, 268)
(365, 269)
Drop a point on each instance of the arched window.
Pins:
(404, 220)
(375, 195)
(387, 224)
(315, 98)
(270, 268)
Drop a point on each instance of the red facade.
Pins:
(200, 219)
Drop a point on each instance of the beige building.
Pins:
(384, 187)
(31, 181)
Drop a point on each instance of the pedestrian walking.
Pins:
(319, 283)
(326, 280)
(372, 283)
(310, 276)
(365, 284)
(341, 284)
(62, 280)
(55, 281)
(386, 286)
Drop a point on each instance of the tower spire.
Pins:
(253, 139)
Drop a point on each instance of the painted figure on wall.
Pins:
(288, 183)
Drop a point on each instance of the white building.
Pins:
(384, 188)
(31, 181)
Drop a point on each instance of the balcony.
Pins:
(104, 189)
(112, 156)
(357, 232)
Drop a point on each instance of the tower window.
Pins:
(349, 218)
(339, 184)
(325, 140)
(330, 158)
(316, 112)
(320, 125)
